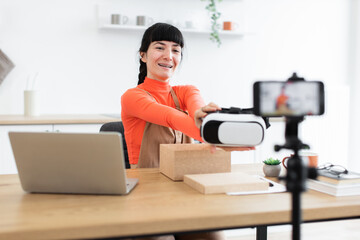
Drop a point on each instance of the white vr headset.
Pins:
(233, 128)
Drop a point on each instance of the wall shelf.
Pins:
(183, 30)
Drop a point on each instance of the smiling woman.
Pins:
(154, 112)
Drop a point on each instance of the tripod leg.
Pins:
(296, 215)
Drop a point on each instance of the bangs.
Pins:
(161, 32)
(166, 32)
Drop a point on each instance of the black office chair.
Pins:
(117, 127)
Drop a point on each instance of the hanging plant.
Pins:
(214, 16)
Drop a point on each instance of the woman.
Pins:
(154, 112)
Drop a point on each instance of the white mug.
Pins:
(31, 103)
(171, 22)
(144, 20)
(119, 19)
(310, 158)
(189, 24)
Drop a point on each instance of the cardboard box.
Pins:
(225, 182)
(176, 160)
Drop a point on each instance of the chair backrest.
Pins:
(117, 127)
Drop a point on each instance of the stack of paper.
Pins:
(336, 185)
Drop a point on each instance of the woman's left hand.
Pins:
(203, 111)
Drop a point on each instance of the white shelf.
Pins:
(183, 30)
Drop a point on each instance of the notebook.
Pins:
(76, 163)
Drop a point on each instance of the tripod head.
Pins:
(292, 141)
(297, 171)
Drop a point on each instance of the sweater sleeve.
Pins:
(190, 96)
(139, 104)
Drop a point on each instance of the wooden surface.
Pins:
(156, 205)
(57, 119)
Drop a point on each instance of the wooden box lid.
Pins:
(225, 182)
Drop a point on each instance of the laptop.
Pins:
(75, 163)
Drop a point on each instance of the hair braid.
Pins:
(142, 72)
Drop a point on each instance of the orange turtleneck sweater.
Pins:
(137, 108)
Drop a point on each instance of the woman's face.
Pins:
(162, 59)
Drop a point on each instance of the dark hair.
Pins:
(158, 32)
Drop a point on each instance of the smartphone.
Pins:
(289, 99)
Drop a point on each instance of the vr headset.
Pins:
(234, 127)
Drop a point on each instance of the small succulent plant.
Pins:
(272, 161)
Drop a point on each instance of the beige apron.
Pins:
(154, 135)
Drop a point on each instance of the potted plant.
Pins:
(272, 167)
(214, 16)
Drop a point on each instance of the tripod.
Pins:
(297, 172)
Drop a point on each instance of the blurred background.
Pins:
(82, 63)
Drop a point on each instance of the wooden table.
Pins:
(156, 206)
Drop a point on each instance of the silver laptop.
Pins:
(79, 163)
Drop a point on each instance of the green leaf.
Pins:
(215, 15)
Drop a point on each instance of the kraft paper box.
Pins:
(176, 160)
(211, 183)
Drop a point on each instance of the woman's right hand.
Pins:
(203, 111)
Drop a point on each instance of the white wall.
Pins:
(85, 70)
(354, 77)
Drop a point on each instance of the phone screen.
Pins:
(299, 98)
